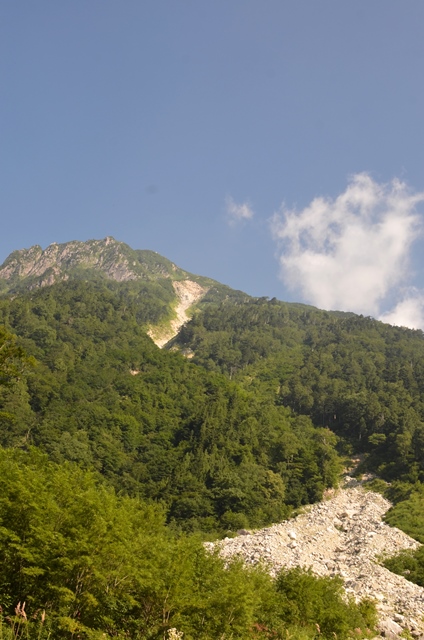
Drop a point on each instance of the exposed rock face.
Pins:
(51, 264)
(33, 268)
(344, 536)
(188, 293)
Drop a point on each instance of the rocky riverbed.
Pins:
(343, 535)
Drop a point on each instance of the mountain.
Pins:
(114, 260)
(148, 420)
(113, 451)
(111, 260)
(359, 377)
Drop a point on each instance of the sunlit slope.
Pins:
(173, 291)
(361, 378)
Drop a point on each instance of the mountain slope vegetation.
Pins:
(135, 438)
(79, 561)
(117, 457)
(154, 424)
(162, 285)
(361, 378)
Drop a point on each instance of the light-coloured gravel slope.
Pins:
(343, 535)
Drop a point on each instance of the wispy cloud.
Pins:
(352, 252)
(237, 212)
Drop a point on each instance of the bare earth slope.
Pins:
(344, 536)
(188, 293)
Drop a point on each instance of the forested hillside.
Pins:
(219, 457)
(168, 294)
(361, 378)
(78, 561)
(107, 441)
(118, 457)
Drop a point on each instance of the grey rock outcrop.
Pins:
(53, 264)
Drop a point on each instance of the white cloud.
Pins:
(237, 212)
(351, 252)
(409, 312)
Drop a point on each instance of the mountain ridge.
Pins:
(113, 260)
(35, 267)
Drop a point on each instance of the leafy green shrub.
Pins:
(377, 485)
(102, 565)
(409, 564)
(408, 513)
(319, 603)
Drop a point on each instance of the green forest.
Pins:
(118, 459)
(217, 456)
(358, 377)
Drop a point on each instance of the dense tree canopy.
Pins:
(13, 360)
(112, 447)
(99, 565)
(361, 378)
(78, 561)
(219, 456)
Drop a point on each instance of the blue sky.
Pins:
(275, 146)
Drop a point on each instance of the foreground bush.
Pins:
(80, 562)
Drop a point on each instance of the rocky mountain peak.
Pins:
(28, 269)
(44, 267)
